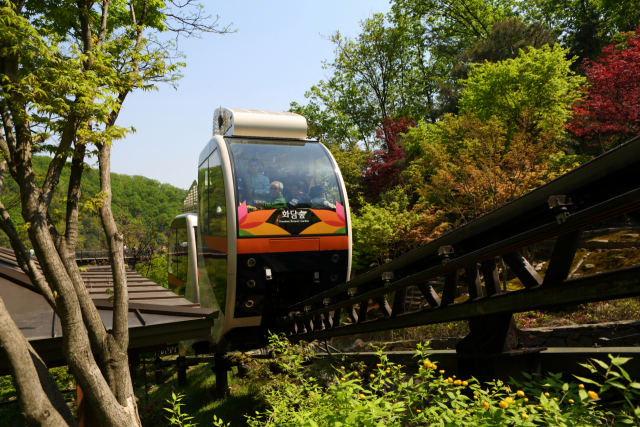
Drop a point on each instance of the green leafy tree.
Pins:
(538, 87)
(66, 68)
(585, 26)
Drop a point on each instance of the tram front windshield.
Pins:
(286, 188)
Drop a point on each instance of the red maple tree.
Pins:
(611, 111)
(384, 168)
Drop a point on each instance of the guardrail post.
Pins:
(157, 363)
(220, 369)
(181, 363)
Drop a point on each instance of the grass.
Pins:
(201, 402)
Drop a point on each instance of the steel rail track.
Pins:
(603, 188)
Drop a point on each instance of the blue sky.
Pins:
(275, 57)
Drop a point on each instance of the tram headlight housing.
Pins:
(335, 258)
(251, 262)
(251, 283)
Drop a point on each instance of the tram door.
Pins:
(212, 235)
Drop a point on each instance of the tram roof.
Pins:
(241, 122)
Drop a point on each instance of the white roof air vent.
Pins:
(259, 123)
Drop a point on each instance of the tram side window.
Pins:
(216, 199)
(171, 267)
(203, 197)
(182, 259)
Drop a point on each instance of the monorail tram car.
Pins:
(273, 224)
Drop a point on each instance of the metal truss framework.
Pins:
(603, 188)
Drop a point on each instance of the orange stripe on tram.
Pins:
(174, 280)
(269, 245)
(216, 243)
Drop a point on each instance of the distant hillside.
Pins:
(140, 205)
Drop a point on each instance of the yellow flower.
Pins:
(580, 385)
(546, 394)
(475, 397)
(362, 396)
(526, 399)
(382, 382)
(503, 404)
(420, 369)
(525, 416)
(449, 380)
(509, 400)
(457, 411)
(468, 413)
(520, 393)
(343, 379)
(454, 376)
(372, 376)
(592, 394)
(457, 382)
(538, 407)
(571, 401)
(442, 371)
(427, 364)
(434, 366)
(519, 404)
(418, 411)
(356, 374)
(379, 364)
(464, 383)
(399, 366)
(369, 406)
(342, 367)
(485, 405)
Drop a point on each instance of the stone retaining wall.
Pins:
(610, 334)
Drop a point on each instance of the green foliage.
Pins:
(138, 202)
(380, 231)
(155, 269)
(538, 84)
(585, 26)
(388, 396)
(352, 164)
(615, 378)
(10, 414)
(176, 417)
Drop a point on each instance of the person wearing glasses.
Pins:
(277, 200)
(257, 184)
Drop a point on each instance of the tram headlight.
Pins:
(251, 262)
(248, 304)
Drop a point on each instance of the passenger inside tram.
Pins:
(280, 175)
(318, 200)
(299, 199)
(257, 183)
(277, 201)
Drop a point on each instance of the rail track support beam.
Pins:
(181, 367)
(522, 269)
(562, 257)
(221, 367)
(491, 277)
(429, 294)
(490, 336)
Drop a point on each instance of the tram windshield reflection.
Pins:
(288, 179)
(299, 170)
